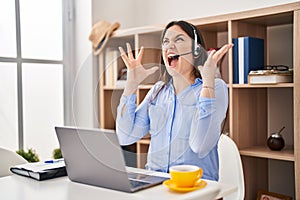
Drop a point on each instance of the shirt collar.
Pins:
(198, 81)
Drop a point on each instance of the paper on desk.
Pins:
(41, 166)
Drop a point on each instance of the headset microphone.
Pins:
(178, 55)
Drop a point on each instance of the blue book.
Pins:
(235, 61)
(248, 55)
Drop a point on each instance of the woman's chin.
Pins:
(172, 71)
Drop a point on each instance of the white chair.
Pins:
(230, 167)
(8, 159)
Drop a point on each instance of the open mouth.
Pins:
(172, 60)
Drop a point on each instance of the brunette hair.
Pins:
(189, 29)
(199, 60)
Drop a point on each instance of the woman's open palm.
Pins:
(136, 73)
(208, 70)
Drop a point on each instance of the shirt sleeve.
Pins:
(207, 120)
(133, 123)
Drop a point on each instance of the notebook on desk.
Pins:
(41, 170)
(95, 157)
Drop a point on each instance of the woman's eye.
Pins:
(165, 42)
(180, 39)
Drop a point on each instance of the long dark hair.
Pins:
(189, 29)
(199, 60)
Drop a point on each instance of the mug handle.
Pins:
(200, 173)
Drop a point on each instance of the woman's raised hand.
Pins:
(208, 70)
(136, 73)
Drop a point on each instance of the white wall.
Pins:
(82, 90)
(157, 11)
(122, 11)
(131, 13)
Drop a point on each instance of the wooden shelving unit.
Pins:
(286, 154)
(255, 111)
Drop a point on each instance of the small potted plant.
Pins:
(57, 153)
(30, 155)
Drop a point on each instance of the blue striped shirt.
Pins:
(184, 128)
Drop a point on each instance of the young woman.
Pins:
(183, 113)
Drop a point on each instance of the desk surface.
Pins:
(16, 187)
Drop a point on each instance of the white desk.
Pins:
(16, 187)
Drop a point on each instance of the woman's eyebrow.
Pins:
(177, 36)
(180, 35)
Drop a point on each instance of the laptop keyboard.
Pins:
(135, 183)
(139, 180)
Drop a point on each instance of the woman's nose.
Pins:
(170, 45)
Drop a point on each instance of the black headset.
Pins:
(196, 48)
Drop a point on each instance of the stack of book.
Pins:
(248, 54)
(115, 72)
(270, 76)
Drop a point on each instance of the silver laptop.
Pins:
(95, 157)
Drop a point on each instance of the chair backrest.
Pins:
(8, 159)
(230, 167)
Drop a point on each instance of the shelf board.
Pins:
(141, 87)
(286, 154)
(130, 32)
(272, 19)
(112, 88)
(146, 86)
(279, 85)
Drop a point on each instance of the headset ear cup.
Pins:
(197, 50)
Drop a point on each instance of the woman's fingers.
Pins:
(221, 52)
(128, 57)
(140, 55)
(129, 51)
(124, 57)
(214, 56)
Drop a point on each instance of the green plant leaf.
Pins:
(30, 155)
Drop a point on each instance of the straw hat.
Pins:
(100, 33)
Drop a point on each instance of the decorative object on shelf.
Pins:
(101, 31)
(264, 195)
(275, 141)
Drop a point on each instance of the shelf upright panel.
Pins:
(296, 61)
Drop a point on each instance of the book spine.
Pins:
(253, 55)
(235, 61)
(107, 70)
(241, 59)
(247, 57)
(111, 66)
(115, 66)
